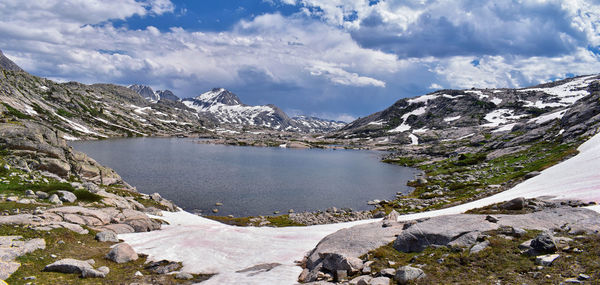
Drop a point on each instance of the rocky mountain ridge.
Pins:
(494, 117)
(229, 110)
(151, 95)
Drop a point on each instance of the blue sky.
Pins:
(338, 59)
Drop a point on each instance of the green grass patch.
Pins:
(80, 247)
(501, 261)
(65, 113)
(16, 113)
(404, 161)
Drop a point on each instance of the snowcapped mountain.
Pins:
(228, 109)
(461, 114)
(149, 94)
(314, 124)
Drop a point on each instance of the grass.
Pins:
(65, 113)
(16, 113)
(501, 170)
(404, 161)
(275, 221)
(80, 247)
(501, 261)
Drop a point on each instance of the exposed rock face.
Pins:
(12, 247)
(462, 230)
(122, 253)
(340, 250)
(37, 147)
(333, 253)
(8, 64)
(495, 119)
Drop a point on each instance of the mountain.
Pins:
(148, 93)
(475, 114)
(229, 110)
(81, 111)
(8, 64)
(322, 125)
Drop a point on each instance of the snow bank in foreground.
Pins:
(205, 246)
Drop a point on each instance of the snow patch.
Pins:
(568, 92)
(548, 117)
(404, 126)
(414, 140)
(500, 116)
(450, 119)
(206, 246)
(504, 128)
(496, 101)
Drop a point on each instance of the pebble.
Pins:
(215, 210)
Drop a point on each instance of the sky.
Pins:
(336, 59)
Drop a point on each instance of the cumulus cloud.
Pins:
(334, 57)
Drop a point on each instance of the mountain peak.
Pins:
(220, 95)
(7, 64)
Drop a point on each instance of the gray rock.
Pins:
(388, 272)
(380, 281)
(184, 276)
(546, 260)
(391, 219)
(92, 273)
(514, 204)
(67, 196)
(29, 192)
(41, 195)
(107, 236)
(479, 247)
(54, 199)
(104, 269)
(544, 243)
(491, 219)
(68, 265)
(122, 253)
(361, 280)
(334, 262)
(531, 174)
(156, 197)
(407, 273)
(163, 266)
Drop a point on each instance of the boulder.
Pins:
(92, 273)
(334, 262)
(380, 281)
(544, 243)
(67, 196)
(122, 253)
(163, 266)
(391, 219)
(107, 236)
(54, 199)
(514, 204)
(68, 265)
(42, 195)
(407, 273)
(388, 272)
(546, 260)
(479, 247)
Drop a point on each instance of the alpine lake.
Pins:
(250, 181)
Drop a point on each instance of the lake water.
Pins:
(250, 180)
